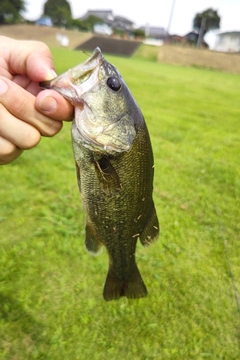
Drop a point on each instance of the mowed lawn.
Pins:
(51, 304)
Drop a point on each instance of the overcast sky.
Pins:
(154, 12)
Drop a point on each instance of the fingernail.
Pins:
(51, 74)
(48, 104)
(3, 87)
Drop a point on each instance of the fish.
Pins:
(115, 169)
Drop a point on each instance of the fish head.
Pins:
(105, 110)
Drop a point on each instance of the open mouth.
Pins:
(77, 81)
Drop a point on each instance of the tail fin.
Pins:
(132, 288)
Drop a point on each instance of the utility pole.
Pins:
(171, 15)
(201, 32)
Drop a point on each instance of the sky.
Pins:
(155, 13)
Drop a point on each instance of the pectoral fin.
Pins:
(107, 175)
(78, 176)
(151, 230)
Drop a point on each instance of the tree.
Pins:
(91, 21)
(204, 22)
(78, 24)
(59, 11)
(139, 34)
(86, 24)
(10, 11)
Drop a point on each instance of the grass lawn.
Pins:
(51, 304)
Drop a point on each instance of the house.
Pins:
(228, 42)
(154, 35)
(102, 29)
(175, 39)
(154, 32)
(190, 39)
(122, 23)
(114, 22)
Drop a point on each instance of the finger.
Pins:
(17, 132)
(21, 104)
(8, 151)
(52, 104)
(26, 83)
(32, 58)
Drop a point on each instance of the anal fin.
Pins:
(92, 244)
(151, 230)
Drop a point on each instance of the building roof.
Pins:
(102, 14)
(231, 33)
(192, 36)
(123, 19)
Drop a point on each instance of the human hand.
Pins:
(27, 112)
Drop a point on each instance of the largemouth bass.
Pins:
(114, 163)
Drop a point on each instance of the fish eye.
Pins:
(114, 83)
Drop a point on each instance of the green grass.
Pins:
(51, 304)
(147, 52)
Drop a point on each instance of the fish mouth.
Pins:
(72, 85)
(76, 81)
